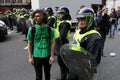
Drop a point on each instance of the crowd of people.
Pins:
(106, 23)
(19, 19)
(46, 33)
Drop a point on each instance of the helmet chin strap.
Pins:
(83, 30)
(89, 24)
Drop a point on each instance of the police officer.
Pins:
(24, 16)
(86, 37)
(63, 27)
(51, 18)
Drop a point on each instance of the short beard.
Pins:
(39, 23)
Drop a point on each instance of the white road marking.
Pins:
(112, 54)
(10, 32)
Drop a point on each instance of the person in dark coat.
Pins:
(113, 18)
(51, 17)
(87, 38)
(64, 28)
(103, 26)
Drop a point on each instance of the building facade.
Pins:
(14, 1)
(10, 4)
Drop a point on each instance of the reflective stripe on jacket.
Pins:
(78, 37)
(57, 28)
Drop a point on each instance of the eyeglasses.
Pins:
(36, 16)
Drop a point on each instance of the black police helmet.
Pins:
(49, 10)
(63, 9)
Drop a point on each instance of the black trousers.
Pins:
(39, 64)
(72, 76)
(64, 70)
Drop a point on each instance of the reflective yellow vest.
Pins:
(57, 33)
(26, 15)
(78, 37)
(21, 16)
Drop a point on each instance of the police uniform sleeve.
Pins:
(64, 30)
(51, 22)
(92, 43)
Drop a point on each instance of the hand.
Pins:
(31, 61)
(51, 59)
(103, 13)
(110, 19)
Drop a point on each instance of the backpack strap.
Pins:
(49, 30)
(33, 35)
(33, 32)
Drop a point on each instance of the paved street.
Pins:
(14, 61)
(109, 67)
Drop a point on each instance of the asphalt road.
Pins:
(109, 69)
(14, 61)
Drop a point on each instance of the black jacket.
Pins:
(104, 25)
(91, 43)
(51, 22)
(64, 28)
